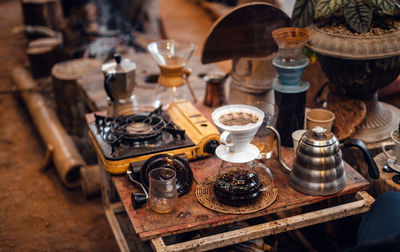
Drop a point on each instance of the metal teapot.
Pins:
(318, 168)
(119, 78)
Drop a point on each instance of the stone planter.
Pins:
(357, 66)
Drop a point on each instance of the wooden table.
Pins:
(152, 226)
(190, 215)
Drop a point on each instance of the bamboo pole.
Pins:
(66, 157)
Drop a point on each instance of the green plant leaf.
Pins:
(358, 15)
(303, 13)
(385, 5)
(328, 7)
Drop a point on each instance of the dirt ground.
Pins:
(36, 212)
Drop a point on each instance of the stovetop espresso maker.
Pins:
(119, 83)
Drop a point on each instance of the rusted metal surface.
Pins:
(66, 157)
(190, 215)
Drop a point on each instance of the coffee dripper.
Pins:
(171, 57)
(241, 178)
(119, 83)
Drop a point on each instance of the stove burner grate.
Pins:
(138, 130)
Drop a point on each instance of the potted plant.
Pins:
(358, 45)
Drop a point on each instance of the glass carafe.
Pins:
(242, 183)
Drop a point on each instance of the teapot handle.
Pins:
(372, 167)
(108, 78)
(278, 147)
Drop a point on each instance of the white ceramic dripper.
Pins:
(235, 140)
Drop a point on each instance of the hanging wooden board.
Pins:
(246, 31)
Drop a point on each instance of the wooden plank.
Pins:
(274, 227)
(158, 244)
(119, 237)
(149, 225)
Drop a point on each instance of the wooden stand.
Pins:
(152, 227)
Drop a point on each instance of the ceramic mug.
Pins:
(393, 160)
(296, 135)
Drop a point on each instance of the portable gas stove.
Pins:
(131, 140)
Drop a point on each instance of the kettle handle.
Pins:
(372, 167)
(278, 147)
(108, 78)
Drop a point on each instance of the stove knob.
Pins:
(211, 146)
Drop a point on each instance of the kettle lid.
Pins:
(119, 65)
(319, 136)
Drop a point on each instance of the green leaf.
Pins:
(328, 7)
(358, 15)
(303, 13)
(385, 5)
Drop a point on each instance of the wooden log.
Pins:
(43, 12)
(91, 180)
(43, 53)
(70, 107)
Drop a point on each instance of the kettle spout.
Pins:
(278, 147)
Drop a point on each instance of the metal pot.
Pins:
(318, 168)
(119, 78)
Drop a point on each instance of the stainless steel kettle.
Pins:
(318, 168)
(119, 78)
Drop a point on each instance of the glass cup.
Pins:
(162, 193)
(264, 138)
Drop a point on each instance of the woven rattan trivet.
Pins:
(205, 195)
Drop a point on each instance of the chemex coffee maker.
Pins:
(241, 178)
(119, 83)
(171, 57)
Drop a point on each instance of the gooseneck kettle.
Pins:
(318, 167)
